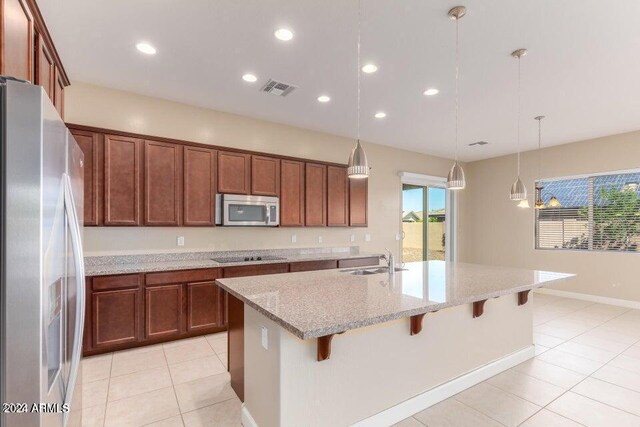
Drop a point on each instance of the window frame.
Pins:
(590, 208)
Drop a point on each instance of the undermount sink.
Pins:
(371, 270)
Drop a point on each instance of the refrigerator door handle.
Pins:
(80, 293)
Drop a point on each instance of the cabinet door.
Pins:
(265, 176)
(17, 47)
(292, 193)
(199, 186)
(115, 317)
(204, 306)
(162, 183)
(337, 197)
(358, 189)
(234, 172)
(163, 312)
(58, 95)
(89, 143)
(315, 195)
(121, 180)
(45, 68)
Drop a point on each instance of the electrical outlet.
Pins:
(352, 238)
(367, 237)
(265, 337)
(294, 238)
(397, 236)
(319, 239)
(180, 241)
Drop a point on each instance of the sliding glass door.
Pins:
(424, 222)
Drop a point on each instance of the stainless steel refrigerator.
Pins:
(42, 268)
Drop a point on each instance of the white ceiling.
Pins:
(582, 70)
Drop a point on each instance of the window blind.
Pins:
(600, 212)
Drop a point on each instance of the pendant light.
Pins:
(455, 179)
(539, 202)
(518, 189)
(554, 202)
(358, 164)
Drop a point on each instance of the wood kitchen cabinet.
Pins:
(234, 172)
(27, 51)
(90, 144)
(199, 186)
(358, 195)
(265, 176)
(162, 183)
(292, 185)
(315, 198)
(205, 306)
(337, 197)
(163, 311)
(122, 178)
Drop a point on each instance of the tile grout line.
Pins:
(106, 403)
(173, 386)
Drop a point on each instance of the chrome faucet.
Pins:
(391, 265)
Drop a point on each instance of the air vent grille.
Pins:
(277, 88)
(478, 143)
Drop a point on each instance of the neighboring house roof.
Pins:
(413, 216)
(574, 192)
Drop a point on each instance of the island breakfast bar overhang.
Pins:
(407, 340)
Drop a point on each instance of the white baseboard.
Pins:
(593, 298)
(246, 418)
(429, 398)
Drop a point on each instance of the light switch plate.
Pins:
(367, 237)
(352, 238)
(294, 238)
(180, 241)
(265, 338)
(319, 239)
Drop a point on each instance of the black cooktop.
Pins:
(227, 260)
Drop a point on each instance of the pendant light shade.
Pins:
(539, 203)
(518, 189)
(554, 202)
(455, 179)
(524, 204)
(358, 164)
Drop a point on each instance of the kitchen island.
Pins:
(355, 346)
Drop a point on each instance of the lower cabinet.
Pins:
(163, 311)
(205, 306)
(115, 316)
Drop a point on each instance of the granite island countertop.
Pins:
(146, 263)
(318, 303)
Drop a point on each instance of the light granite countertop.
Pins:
(318, 303)
(123, 264)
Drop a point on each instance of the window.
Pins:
(595, 213)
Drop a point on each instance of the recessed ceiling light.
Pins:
(324, 98)
(249, 78)
(146, 48)
(380, 115)
(431, 92)
(283, 34)
(369, 68)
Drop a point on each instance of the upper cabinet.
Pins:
(199, 186)
(291, 193)
(358, 190)
(337, 196)
(315, 198)
(163, 183)
(91, 147)
(265, 176)
(122, 174)
(27, 51)
(234, 172)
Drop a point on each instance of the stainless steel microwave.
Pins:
(247, 211)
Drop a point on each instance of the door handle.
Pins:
(76, 242)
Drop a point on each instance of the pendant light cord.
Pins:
(519, 96)
(539, 148)
(457, 107)
(358, 59)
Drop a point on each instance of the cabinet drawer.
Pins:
(255, 270)
(313, 265)
(358, 262)
(105, 283)
(184, 276)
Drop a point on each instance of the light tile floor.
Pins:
(181, 383)
(586, 372)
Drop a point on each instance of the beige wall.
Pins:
(98, 106)
(494, 231)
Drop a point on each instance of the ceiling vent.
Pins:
(478, 143)
(277, 88)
